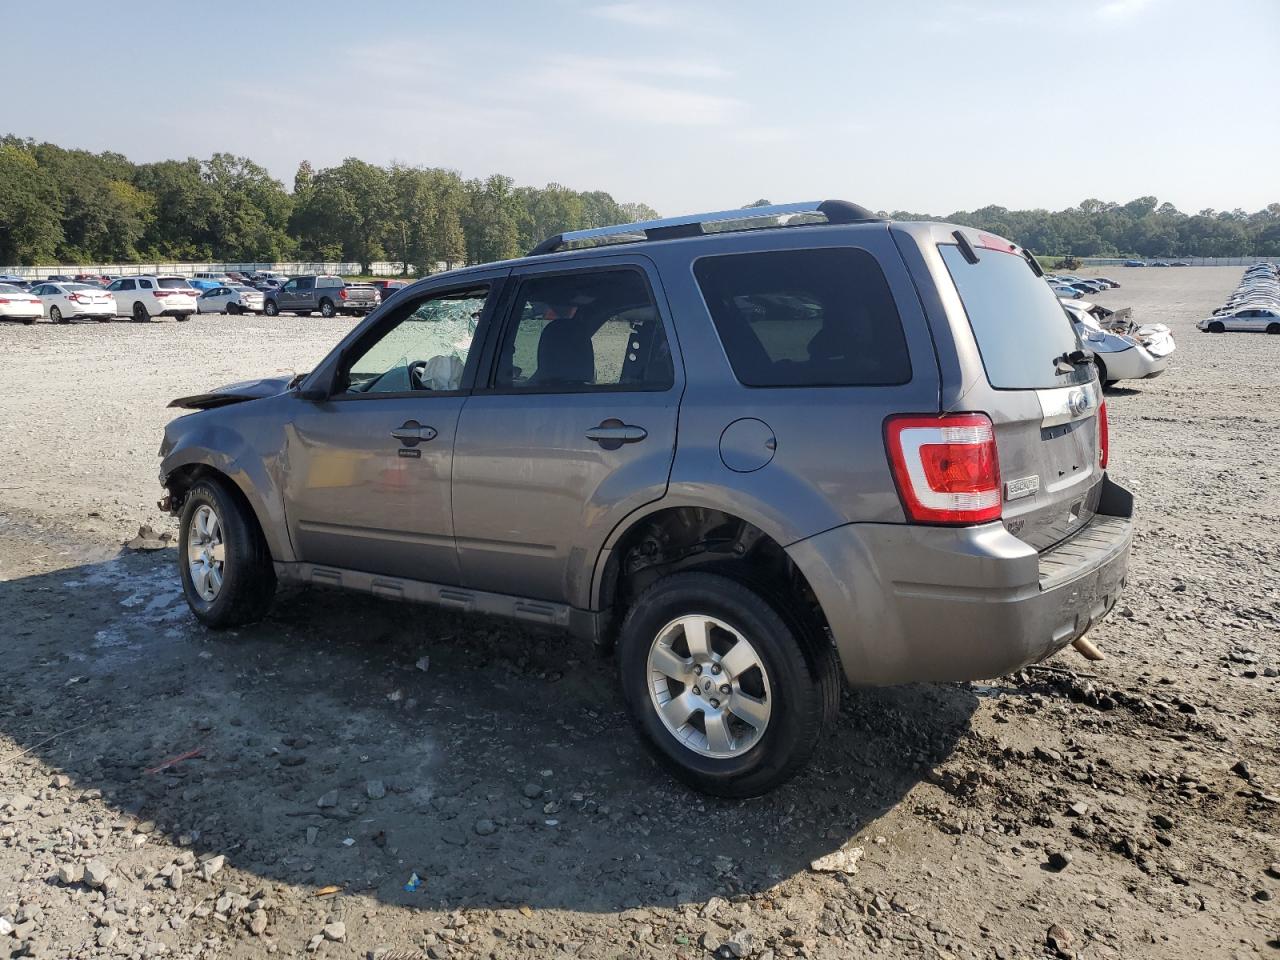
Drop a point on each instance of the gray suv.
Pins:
(753, 451)
(321, 294)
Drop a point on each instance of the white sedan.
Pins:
(17, 304)
(232, 299)
(64, 302)
(1249, 319)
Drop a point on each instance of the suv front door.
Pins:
(575, 427)
(368, 480)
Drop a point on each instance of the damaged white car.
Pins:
(1122, 350)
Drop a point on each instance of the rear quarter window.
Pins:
(805, 318)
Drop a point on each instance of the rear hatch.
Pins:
(174, 289)
(1044, 397)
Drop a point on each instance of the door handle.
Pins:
(613, 433)
(411, 433)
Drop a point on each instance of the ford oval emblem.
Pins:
(1077, 402)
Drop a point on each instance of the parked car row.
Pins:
(62, 300)
(1156, 263)
(1073, 288)
(1254, 305)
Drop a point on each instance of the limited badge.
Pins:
(1021, 487)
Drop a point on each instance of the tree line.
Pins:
(74, 206)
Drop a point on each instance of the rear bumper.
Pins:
(909, 603)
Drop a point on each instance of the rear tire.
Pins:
(28, 321)
(326, 309)
(182, 317)
(230, 544)
(791, 674)
(233, 309)
(140, 314)
(1217, 327)
(1273, 328)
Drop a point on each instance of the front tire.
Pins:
(140, 314)
(1217, 327)
(55, 315)
(223, 560)
(727, 693)
(271, 309)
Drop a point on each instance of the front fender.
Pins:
(208, 439)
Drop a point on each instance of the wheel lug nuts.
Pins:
(715, 702)
(697, 670)
(715, 668)
(696, 691)
(724, 688)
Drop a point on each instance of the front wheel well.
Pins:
(183, 478)
(684, 538)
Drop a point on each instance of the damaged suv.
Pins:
(759, 452)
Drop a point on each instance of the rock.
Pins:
(70, 873)
(1270, 672)
(60, 782)
(314, 943)
(841, 861)
(423, 664)
(312, 833)
(1241, 769)
(96, 873)
(147, 539)
(485, 827)
(1078, 809)
(532, 790)
(741, 944)
(1274, 870)
(337, 932)
(211, 867)
(258, 923)
(375, 789)
(1059, 860)
(107, 936)
(1059, 938)
(329, 799)
(6, 928)
(175, 879)
(1163, 821)
(1263, 896)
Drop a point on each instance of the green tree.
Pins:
(30, 230)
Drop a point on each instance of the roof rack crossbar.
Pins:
(834, 211)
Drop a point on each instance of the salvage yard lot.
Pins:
(351, 742)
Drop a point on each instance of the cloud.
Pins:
(636, 14)
(1122, 9)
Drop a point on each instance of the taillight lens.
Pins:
(342, 294)
(945, 467)
(1104, 436)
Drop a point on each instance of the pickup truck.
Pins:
(320, 294)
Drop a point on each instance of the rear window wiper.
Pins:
(1069, 361)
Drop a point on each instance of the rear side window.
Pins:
(805, 318)
(596, 330)
(1018, 323)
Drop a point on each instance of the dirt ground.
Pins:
(1122, 809)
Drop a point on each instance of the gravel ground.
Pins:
(165, 790)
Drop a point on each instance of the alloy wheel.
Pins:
(709, 686)
(206, 553)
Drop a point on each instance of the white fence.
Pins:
(1194, 261)
(299, 267)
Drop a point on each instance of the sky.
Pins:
(930, 106)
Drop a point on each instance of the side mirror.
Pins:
(314, 395)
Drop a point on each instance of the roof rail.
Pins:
(700, 224)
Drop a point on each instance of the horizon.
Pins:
(732, 108)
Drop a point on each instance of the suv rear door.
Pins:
(573, 428)
(1009, 341)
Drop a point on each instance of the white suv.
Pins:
(145, 297)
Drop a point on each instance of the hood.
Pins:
(236, 393)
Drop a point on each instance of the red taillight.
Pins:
(161, 293)
(945, 467)
(74, 297)
(1104, 437)
(5, 300)
(342, 294)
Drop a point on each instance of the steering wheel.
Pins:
(416, 370)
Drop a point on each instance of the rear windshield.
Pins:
(173, 283)
(805, 318)
(1020, 326)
